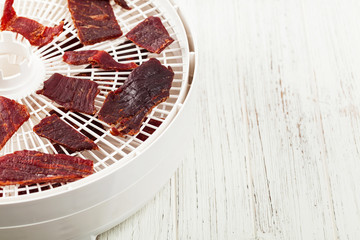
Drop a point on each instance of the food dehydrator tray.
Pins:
(48, 60)
(127, 167)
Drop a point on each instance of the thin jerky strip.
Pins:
(126, 108)
(29, 167)
(123, 4)
(36, 33)
(98, 58)
(94, 20)
(78, 57)
(12, 116)
(72, 93)
(151, 35)
(58, 131)
(95, 132)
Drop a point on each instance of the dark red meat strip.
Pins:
(78, 57)
(72, 93)
(123, 4)
(94, 20)
(12, 116)
(95, 127)
(36, 33)
(58, 131)
(29, 167)
(96, 57)
(151, 35)
(126, 108)
(105, 61)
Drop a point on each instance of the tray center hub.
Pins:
(21, 71)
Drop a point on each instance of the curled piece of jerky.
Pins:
(94, 20)
(126, 108)
(36, 33)
(96, 57)
(12, 116)
(58, 131)
(123, 4)
(78, 57)
(73, 94)
(151, 35)
(29, 167)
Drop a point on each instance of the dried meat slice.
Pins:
(29, 167)
(96, 57)
(72, 93)
(36, 33)
(94, 20)
(105, 61)
(126, 108)
(78, 57)
(93, 130)
(58, 131)
(123, 4)
(151, 35)
(12, 116)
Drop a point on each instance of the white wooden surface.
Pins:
(276, 150)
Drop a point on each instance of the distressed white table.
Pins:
(276, 150)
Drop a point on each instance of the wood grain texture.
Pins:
(276, 151)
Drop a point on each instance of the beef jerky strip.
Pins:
(12, 116)
(36, 33)
(58, 131)
(29, 167)
(96, 57)
(95, 127)
(126, 108)
(72, 93)
(151, 35)
(123, 4)
(94, 20)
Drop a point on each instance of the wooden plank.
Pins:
(290, 187)
(335, 55)
(214, 196)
